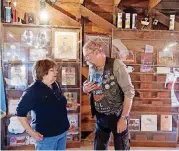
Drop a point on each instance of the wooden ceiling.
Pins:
(164, 6)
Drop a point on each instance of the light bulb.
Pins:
(44, 15)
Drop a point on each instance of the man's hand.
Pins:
(121, 125)
(89, 86)
(35, 135)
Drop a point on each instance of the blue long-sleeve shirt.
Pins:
(47, 106)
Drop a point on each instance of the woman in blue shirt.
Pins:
(48, 108)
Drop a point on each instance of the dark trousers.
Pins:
(102, 135)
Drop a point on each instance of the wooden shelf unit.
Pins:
(148, 101)
(12, 93)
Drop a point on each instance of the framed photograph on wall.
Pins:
(36, 54)
(73, 100)
(17, 77)
(68, 75)
(127, 56)
(11, 37)
(12, 105)
(66, 44)
(27, 38)
(30, 18)
(165, 58)
(74, 124)
(15, 53)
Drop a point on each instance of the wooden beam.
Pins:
(61, 17)
(136, 3)
(168, 5)
(164, 19)
(153, 3)
(116, 2)
(96, 19)
(61, 10)
(81, 1)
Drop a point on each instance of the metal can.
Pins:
(8, 14)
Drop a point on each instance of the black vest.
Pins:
(113, 96)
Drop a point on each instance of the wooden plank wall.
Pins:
(103, 8)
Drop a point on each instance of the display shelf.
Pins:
(156, 98)
(23, 45)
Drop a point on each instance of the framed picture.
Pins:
(73, 100)
(68, 75)
(74, 124)
(165, 58)
(148, 122)
(17, 77)
(36, 54)
(166, 123)
(134, 124)
(43, 39)
(12, 105)
(30, 18)
(15, 53)
(27, 38)
(12, 37)
(66, 44)
(127, 56)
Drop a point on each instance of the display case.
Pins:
(22, 46)
(154, 74)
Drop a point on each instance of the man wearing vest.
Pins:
(111, 93)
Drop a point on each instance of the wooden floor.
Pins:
(89, 146)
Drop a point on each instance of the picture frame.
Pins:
(43, 38)
(17, 77)
(30, 18)
(15, 53)
(73, 100)
(66, 44)
(27, 37)
(12, 37)
(134, 124)
(165, 58)
(148, 122)
(74, 124)
(127, 56)
(36, 54)
(12, 105)
(68, 74)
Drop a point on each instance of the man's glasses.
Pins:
(88, 56)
